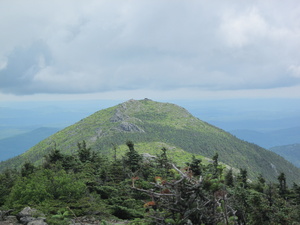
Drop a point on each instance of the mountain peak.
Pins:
(147, 121)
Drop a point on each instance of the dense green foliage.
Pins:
(147, 190)
(147, 121)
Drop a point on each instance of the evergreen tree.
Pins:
(215, 159)
(296, 193)
(7, 180)
(84, 153)
(132, 158)
(229, 178)
(195, 166)
(54, 156)
(243, 177)
(259, 184)
(52, 159)
(27, 169)
(163, 159)
(217, 168)
(282, 184)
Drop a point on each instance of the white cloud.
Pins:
(294, 70)
(3, 64)
(243, 28)
(101, 46)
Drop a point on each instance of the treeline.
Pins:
(146, 189)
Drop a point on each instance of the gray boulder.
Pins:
(11, 220)
(31, 216)
(38, 221)
(26, 219)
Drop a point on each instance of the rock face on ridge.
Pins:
(129, 127)
(147, 121)
(123, 120)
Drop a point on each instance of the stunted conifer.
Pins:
(132, 157)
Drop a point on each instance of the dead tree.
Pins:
(184, 201)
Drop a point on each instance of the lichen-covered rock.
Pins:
(147, 157)
(4, 214)
(26, 219)
(27, 211)
(38, 221)
(31, 216)
(9, 220)
(27, 216)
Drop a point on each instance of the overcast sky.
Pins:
(160, 49)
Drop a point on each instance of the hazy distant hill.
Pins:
(271, 138)
(147, 121)
(16, 145)
(289, 152)
(32, 115)
(6, 132)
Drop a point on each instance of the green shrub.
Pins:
(46, 185)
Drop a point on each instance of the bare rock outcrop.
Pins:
(27, 216)
(129, 127)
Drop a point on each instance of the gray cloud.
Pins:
(22, 65)
(98, 46)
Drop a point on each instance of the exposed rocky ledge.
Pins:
(31, 216)
(27, 216)
(129, 127)
(119, 115)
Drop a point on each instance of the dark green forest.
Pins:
(146, 190)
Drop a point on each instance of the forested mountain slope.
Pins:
(289, 152)
(147, 121)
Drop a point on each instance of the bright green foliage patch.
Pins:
(46, 185)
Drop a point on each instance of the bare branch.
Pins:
(179, 171)
(152, 193)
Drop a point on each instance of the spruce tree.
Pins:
(27, 169)
(242, 178)
(84, 153)
(282, 184)
(132, 157)
(195, 166)
(229, 178)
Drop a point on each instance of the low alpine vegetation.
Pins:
(146, 189)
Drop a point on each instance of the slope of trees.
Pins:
(146, 190)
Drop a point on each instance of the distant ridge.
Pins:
(289, 152)
(271, 138)
(147, 121)
(18, 144)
